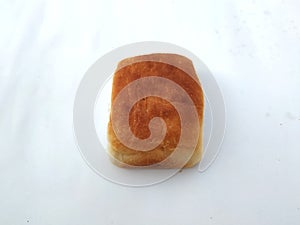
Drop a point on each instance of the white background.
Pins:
(251, 47)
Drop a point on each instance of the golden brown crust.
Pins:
(174, 67)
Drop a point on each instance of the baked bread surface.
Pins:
(176, 68)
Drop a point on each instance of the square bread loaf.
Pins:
(136, 110)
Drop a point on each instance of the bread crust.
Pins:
(176, 68)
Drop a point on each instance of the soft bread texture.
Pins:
(174, 67)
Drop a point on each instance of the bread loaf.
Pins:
(156, 69)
